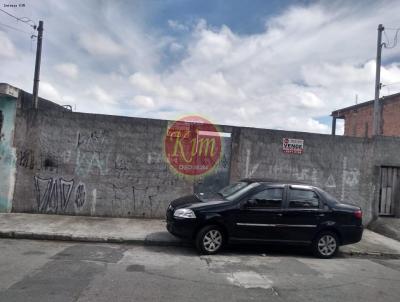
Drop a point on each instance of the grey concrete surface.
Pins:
(140, 231)
(99, 165)
(388, 226)
(84, 228)
(373, 243)
(40, 271)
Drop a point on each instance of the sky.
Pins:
(257, 63)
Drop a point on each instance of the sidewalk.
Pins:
(140, 231)
(388, 226)
(83, 228)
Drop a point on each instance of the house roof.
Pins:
(339, 113)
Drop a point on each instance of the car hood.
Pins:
(196, 201)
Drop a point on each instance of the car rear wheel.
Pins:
(210, 239)
(325, 245)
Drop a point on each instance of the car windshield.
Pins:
(234, 191)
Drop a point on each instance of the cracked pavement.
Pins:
(64, 271)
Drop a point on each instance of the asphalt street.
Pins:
(62, 271)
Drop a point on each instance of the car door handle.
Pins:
(321, 215)
(279, 214)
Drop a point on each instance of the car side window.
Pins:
(268, 199)
(303, 199)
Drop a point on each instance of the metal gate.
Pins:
(389, 191)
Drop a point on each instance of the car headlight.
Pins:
(184, 213)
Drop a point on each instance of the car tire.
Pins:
(325, 245)
(210, 240)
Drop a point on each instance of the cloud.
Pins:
(175, 47)
(100, 96)
(300, 68)
(48, 91)
(67, 69)
(98, 44)
(175, 25)
(143, 101)
(304, 63)
(7, 49)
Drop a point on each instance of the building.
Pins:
(358, 119)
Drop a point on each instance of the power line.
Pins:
(14, 28)
(25, 20)
(390, 84)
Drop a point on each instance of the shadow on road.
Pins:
(243, 250)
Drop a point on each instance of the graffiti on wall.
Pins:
(1, 124)
(91, 139)
(26, 159)
(346, 177)
(80, 195)
(136, 200)
(91, 162)
(53, 195)
(350, 177)
(90, 157)
(45, 161)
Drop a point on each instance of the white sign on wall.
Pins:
(292, 145)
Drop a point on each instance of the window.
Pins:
(303, 199)
(233, 188)
(270, 199)
(237, 192)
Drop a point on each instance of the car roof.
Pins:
(275, 181)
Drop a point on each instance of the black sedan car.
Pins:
(254, 210)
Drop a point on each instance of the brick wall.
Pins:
(391, 118)
(359, 121)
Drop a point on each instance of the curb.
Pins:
(370, 254)
(151, 242)
(64, 237)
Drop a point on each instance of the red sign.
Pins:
(192, 145)
(292, 145)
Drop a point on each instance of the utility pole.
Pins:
(37, 65)
(377, 108)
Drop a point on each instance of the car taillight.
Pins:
(358, 214)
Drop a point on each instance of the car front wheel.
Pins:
(210, 239)
(325, 245)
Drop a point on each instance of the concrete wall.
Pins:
(85, 164)
(8, 106)
(342, 166)
(88, 164)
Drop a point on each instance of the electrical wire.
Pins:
(390, 84)
(14, 28)
(25, 20)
